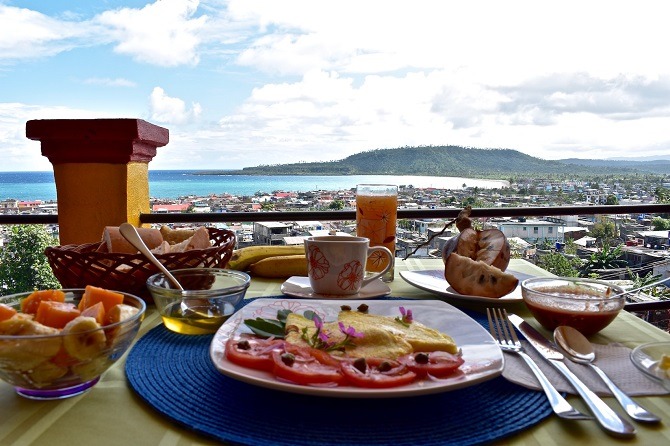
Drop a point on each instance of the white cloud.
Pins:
(496, 41)
(162, 33)
(26, 34)
(171, 110)
(520, 75)
(108, 82)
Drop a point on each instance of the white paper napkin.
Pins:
(613, 359)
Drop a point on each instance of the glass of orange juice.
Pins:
(376, 215)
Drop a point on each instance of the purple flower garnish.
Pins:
(321, 340)
(406, 318)
(350, 331)
(318, 323)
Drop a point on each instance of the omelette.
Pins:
(383, 336)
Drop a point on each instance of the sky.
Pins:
(243, 83)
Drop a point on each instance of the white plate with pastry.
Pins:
(434, 282)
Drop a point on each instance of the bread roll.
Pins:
(199, 240)
(117, 243)
(174, 236)
(163, 248)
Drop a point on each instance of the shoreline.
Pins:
(173, 184)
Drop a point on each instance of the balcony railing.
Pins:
(442, 213)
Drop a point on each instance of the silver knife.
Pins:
(608, 419)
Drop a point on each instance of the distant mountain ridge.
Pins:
(658, 166)
(453, 161)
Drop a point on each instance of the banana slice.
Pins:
(15, 324)
(83, 338)
(120, 312)
(14, 356)
(25, 353)
(46, 373)
(91, 369)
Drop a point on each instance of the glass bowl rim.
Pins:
(246, 281)
(575, 280)
(129, 321)
(637, 351)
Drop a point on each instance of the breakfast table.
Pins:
(113, 413)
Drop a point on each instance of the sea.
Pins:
(173, 184)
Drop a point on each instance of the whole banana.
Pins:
(242, 258)
(280, 266)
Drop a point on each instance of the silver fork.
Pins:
(503, 332)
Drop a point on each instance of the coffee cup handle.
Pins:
(389, 265)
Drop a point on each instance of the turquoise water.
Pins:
(180, 183)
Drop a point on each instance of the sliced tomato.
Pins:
(436, 364)
(307, 366)
(377, 373)
(255, 353)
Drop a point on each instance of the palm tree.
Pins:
(658, 291)
(606, 258)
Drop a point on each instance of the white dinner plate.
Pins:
(434, 282)
(298, 286)
(483, 359)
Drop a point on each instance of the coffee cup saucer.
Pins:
(298, 286)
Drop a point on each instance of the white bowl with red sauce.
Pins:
(587, 305)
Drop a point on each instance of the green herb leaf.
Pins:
(282, 315)
(309, 314)
(266, 328)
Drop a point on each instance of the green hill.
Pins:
(453, 161)
(660, 166)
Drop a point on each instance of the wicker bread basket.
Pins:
(76, 266)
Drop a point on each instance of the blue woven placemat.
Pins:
(174, 374)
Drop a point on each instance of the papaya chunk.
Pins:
(31, 303)
(6, 312)
(56, 314)
(93, 295)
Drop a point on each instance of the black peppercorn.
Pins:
(244, 345)
(360, 365)
(385, 366)
(421, 358)
(288, 359)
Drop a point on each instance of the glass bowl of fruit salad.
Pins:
(55, 344)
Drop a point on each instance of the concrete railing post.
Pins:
(101, 168)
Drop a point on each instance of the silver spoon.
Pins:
(644, 287)
(580, 350)
(130, 233)
(190, 308)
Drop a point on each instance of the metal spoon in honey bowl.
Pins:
(580, 350)
(129, 232)
(199, 312)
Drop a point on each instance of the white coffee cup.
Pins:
(336, 264)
